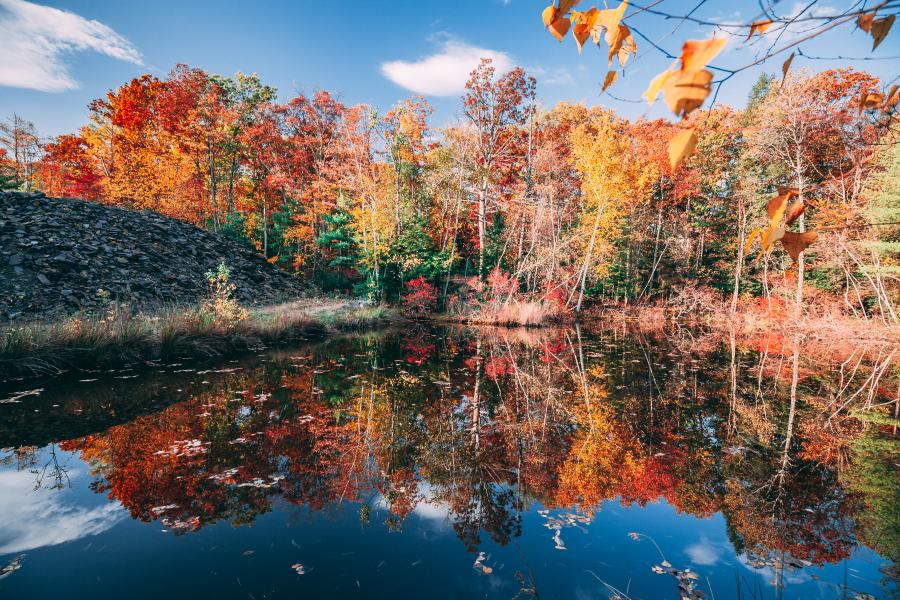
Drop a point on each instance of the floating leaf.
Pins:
(880, 29)
(795, 243)
(685, 92)
(609, 79)
(793, 213)
(681, 146)
(696, 54)
(759, 28)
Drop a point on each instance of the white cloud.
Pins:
(704, 552)
(446, 72)
(37, 38)
(33, 519)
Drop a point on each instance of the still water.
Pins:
(452, 463)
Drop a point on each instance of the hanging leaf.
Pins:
(753, 235)
(864, 22)
(567, 5)
(555, 22)
(785, 67)
(628, 47)
(777, 205)
(584, 23)
(880, 29)
(619, 40)
(770, 236)
(609, 79)
(681, 146)
(658, 83)
(892, 97)
(793, 213)
(759, 28)
(696, 54)
(685, 92)
(869, 100)
(795, 243)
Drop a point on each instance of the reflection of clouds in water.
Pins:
(30, 519)
(792, 577)
(705, 552)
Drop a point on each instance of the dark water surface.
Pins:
(449, 463)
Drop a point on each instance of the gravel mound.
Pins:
(61, 256)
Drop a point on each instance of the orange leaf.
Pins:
(584, 24)
(566, 5)
(753, 235)
(868, 100)
(759, 28)
(696, 54)
(864, 22)
(893, 96)
(619, 39)
(770, 236)
(658, 83)
(549, 15)
(880, 29)
(793, 213)
(609, 79)
(778, 204)
(681, 146)
(685, 92)
(795, 243)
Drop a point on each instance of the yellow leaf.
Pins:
(795, 243)
(753, 235)
(549, 15)
(759, 28)
(681, 146)
(696, 54)
(880, 29)
(657, 84)
(778, 204)
(770, 236)
(686, 92)
(609, 79)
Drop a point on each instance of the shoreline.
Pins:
(77, 342)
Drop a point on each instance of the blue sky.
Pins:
(52, 63)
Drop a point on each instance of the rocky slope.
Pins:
(61, 256)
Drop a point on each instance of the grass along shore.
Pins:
(121, 336)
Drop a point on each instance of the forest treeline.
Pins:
(515, 202)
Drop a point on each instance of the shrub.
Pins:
(420, 297)
(221, 303)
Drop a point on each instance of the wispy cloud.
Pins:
(36, 40)
(444, 73)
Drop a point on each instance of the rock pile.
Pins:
(60, 256)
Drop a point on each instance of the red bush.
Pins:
(420, 297)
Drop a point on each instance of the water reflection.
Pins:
(479, 428)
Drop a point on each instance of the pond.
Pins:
(454, 463)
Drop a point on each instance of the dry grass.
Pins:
(511, 314)
(122, 336)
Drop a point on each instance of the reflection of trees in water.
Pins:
(485, 423)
